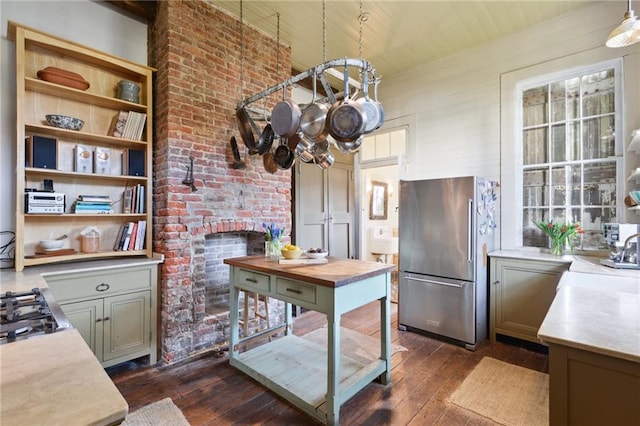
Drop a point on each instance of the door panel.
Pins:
(127, 330)
(86, 317)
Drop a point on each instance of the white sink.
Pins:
(381, 240)
(384, 245)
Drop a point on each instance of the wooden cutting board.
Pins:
(60, 252)
(303, 261)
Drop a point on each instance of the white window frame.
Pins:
(512, 85)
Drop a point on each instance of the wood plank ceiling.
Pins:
(398, 35)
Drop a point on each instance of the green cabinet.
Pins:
(113, 309)
(521, 292)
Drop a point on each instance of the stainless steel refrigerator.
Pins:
(446, 229)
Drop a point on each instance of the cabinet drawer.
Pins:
(252, 281)
(99, 283)
(296, 291)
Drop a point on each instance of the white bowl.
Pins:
(51, 244)
(316, 255)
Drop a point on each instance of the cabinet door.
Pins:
(522, 292)
(127, 325)
(86, 317)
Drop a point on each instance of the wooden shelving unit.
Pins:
(98, 106)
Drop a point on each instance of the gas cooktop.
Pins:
(28, 314)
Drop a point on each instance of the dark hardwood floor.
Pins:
(210, 392)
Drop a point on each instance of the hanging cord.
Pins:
(278, 45)
(360, 21)
(324, 31)
(241, 54)
(7, 250)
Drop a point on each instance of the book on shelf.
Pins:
(127, 196)
(126, 236)
(119, 123)
(142, 232)
(102, 161)
(116, 243)
(94, 197)
(82, 159)
(132, 238)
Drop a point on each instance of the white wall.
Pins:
(90, 23)
(456, 100)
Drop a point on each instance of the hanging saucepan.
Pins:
(314, 117)
(346, 119)
(292, 142)
(304, 149)
(350, 147)
(285, 118)
(376, 81)
(266, 139)
(269, 162)
(370, 107)
(283, 156)
(247, 127)
(321, 154)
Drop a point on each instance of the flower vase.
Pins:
(272, 249)
(557, 247)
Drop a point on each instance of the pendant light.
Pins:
(627, 33)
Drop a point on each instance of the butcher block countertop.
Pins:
(55, 379)
(336, 273)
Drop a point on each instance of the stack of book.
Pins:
(92, 204)
(129, 125)
(133, 200)
(131, 236)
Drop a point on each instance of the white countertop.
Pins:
(598, 313)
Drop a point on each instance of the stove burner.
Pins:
(27, 314)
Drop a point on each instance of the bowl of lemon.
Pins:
(291, 251)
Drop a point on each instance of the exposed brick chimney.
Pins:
(196, 50)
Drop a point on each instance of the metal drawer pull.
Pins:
(252, 280)
(98, 319)
(293, 290)
(107, 318)
(436, 282)
(102, 287)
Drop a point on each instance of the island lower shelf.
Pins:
(300, 373)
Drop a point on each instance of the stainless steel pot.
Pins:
(369, 106)
(285, 118)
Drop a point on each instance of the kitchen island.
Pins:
(315, 378)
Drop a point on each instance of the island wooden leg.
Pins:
(234, 335)
(333, 369)
(385, 333)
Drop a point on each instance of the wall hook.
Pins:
(188, 180)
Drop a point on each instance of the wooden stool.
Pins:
(245, 315)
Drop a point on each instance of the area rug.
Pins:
(159, 413)
(505, 393)
(357, 345)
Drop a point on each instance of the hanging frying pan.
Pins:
(370, 107)
(285, 117)
(266, 139)
(346, 119)
(269, 162)
(237, 162)
(314, 117)
(283, 156)
(247, 127)
(376, 81)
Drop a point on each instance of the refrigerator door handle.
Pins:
(469, 231)
(435, 282)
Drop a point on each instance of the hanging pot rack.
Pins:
(317, 71)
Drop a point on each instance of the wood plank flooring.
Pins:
(210, 392)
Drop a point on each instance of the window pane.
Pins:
(534, 106)
(565, 185)
(573, 98)
(532, 236)
(598, 93)
(600, 184)
(535, 188)
(534, 146)
(558, 101)
(598, 140)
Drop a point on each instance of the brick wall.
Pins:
(196, 51)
